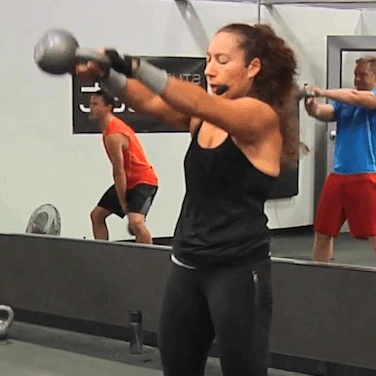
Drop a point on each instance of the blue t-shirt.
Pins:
(355, 148)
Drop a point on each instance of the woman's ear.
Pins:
(254, 67)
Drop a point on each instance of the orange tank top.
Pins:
(136, 165)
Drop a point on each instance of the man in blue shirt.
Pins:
(350, 190)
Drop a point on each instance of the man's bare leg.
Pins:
(372, 239)
(98, 222)
(323, 248)
(138, 227)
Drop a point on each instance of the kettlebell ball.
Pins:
(57, 52)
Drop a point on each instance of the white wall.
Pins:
(367, 19)
(41, 161)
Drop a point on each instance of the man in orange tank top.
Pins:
(135, 180)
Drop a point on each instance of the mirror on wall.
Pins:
(342, 53)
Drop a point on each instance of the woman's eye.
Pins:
(222, 60)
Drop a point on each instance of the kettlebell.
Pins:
(57, 52)
(5, 324)
(304, 93)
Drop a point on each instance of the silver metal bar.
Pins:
(321, 2)
(308, 263)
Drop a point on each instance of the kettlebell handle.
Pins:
(5, 324)
(9, 311)
(85, 55)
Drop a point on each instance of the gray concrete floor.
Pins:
(348, 250)
(39, 351)
(25, 359)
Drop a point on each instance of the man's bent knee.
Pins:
(136, 223)
(99, 215)
(324, 238)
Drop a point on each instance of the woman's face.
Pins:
(226, 66)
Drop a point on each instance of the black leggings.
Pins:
(232, 304)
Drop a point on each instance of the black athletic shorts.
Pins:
(139, 199)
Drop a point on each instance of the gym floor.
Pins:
(39, 351)
(348, 250)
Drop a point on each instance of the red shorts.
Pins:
(351, 197)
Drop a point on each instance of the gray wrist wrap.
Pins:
(152, 77)
(114, 83)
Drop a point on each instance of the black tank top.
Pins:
(222, 219)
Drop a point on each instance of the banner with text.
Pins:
(186, 68)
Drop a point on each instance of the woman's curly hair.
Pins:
(275, 83)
